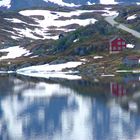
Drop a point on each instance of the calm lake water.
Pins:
(39, 109)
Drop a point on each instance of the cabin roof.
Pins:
(133, 57)
(116, 38)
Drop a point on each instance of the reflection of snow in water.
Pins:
(14, 107)
(47, 90)
(57, 112)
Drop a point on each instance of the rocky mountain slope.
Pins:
(31, 37)
(37, 32)
(28, 25)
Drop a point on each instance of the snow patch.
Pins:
(109, 13)
(132, 17)
(14, 52)
(98, 57)
(14, 20)
(26, 33)
(128, 71)
(131, 46)
(108, 8)
(83, 60)
(89, 3)
(76, 40)
(55, 71)
(106, 2)
(107, 75)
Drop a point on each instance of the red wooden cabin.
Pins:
(117, 45)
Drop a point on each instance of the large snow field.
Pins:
(52, 23)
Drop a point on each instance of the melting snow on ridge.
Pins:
(109, 13)
(55, 71)
(13, 52)
(5, 3)
(14, 20)
(108, 2)
(60, 2)
(89, 3)
(42, 28)
(26, 33)
(51, 19)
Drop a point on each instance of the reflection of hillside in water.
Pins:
(70, 110)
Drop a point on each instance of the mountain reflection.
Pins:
(69, 110)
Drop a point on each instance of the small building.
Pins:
(117, 45)
(131, 61)
(117, 89)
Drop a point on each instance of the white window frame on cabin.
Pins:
(123, 43)
(119, 43)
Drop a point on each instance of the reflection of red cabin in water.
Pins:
(117, 45)
(117, 89)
